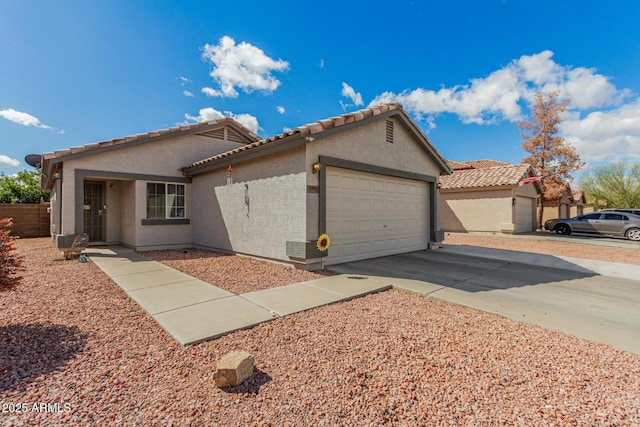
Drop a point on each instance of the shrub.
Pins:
(10, 261)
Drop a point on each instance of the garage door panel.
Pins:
(348, 227)
(375, 215)
(333, 182)
(389, 206)
(348, 183)
(349, 206)
(364, 205)
(379, 246)
(364, 184)
(349, 249)
(364, 247)
(364, 226)
(377, 206)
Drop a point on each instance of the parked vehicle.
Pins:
(611, 223)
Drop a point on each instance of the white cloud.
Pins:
(6, 161)
(322, 63)
(605, 135)
(25, 119)
(281, 109)
(210, 92)
(187, 94)
(241, 66)
(208, 114)
(349, 92)
(183, 80)
(500, 95)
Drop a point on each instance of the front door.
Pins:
(94, 210)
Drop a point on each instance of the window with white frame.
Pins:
(165, 201)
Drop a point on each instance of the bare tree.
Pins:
(549, 154)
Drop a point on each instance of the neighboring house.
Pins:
(560, 207)
(579, 203)
(368, 179)
(484, 196)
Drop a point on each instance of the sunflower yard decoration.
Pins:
(323, 242)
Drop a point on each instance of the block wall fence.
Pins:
(29, 219)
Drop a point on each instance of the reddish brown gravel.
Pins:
(228, 271)
(70, 336)
(548, 247)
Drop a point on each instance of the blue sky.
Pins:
(77, 72)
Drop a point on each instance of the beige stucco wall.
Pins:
(148, 237)
(276, 211)
(367, 144)
(162, 158)
(482, 211)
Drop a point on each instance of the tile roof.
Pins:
(190, 128)
(475, 164)
(486, 163)
(305, 131)
(505, 175)
(458, 165)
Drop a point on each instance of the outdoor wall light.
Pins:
(56, 175)
(316, 167)
(513, 201)
(439, 185)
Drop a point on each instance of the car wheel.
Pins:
(633, 234)
(562, 229)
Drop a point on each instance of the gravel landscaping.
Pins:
(228, 271)
(70, 336)
(548, 247)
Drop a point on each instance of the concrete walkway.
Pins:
(192, 311)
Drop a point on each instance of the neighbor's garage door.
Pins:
(371, 215)
(525, 214)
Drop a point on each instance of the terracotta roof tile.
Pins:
(485, 177)
(458, 165)
(486, 163)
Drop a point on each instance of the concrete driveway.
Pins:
(589, 299)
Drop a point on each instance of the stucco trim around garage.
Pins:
(82, 174)
(326, 161)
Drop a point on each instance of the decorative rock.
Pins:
(234, 368)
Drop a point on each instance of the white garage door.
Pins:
(371, 215)
(525, 214)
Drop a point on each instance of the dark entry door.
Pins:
(94, 211)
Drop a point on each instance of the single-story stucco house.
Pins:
(484, 196)
(369, 179)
